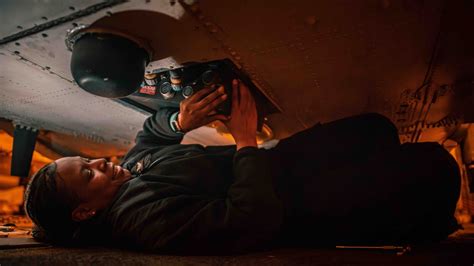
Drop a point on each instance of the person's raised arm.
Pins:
(243, 121)
(199, 109)
(195, 111)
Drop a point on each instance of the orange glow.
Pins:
(11, 196)
(463, 207)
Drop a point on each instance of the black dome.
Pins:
(108, 65)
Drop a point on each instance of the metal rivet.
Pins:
(194, 8)
(311, 20)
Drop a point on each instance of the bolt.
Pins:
(194, 8)
(311, 20)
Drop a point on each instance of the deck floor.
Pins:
(458, 249)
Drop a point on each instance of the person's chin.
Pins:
(121, 175)
(126, 174)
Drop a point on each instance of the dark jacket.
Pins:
(190, 198)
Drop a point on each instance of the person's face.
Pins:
(93, 182)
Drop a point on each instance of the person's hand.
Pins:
(198, 110)
(243, 119)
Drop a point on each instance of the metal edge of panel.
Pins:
(81, 13)
(129, 103)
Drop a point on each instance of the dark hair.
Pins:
(48, 208)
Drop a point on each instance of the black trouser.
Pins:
(345, 181)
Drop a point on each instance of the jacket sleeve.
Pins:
(249, 216)
(156, 132)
